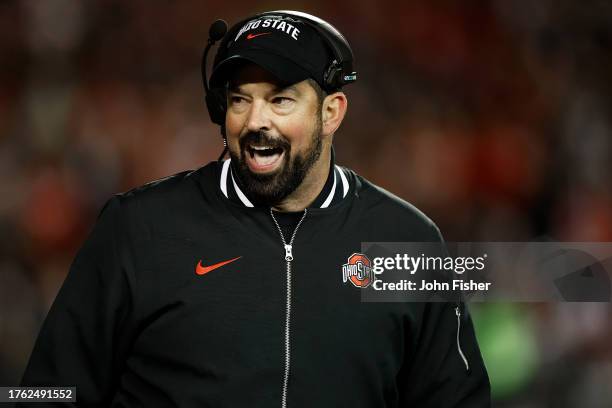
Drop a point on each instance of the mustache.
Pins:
(263, 138)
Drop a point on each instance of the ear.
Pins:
(333, 111)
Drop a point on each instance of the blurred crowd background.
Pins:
(493, 117)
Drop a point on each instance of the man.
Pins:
(222, 287)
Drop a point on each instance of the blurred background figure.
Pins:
(493, 116)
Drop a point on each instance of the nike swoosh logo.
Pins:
(201, 270)
(251, 36)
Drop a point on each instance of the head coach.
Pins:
(223, 286)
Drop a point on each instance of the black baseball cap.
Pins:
(283, 45)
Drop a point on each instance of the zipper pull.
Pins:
(288, 254)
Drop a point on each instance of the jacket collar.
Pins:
(335, 189)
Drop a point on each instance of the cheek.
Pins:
(297, 128)
(298, 131)
(233, 128)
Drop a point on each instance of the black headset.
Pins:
(338, 73)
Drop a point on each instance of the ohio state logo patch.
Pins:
(358, 270)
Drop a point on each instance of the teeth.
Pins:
(261, 152)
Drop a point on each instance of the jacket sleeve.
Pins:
(443, 366)
(81, 341)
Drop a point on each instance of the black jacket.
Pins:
(134, 325)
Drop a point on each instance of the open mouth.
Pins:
(263, 158)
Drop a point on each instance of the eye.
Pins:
(236, 99)
(282, 101)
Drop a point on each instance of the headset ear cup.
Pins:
(217, 105)
(333, 76)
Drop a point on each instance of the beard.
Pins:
(271, 189)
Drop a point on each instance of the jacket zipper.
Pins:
(288, 260)
(458, 313)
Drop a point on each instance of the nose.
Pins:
(258, 118)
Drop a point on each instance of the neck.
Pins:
(310, 188)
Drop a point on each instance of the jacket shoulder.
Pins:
(392, 212)
(168, 200)
(175, 187)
